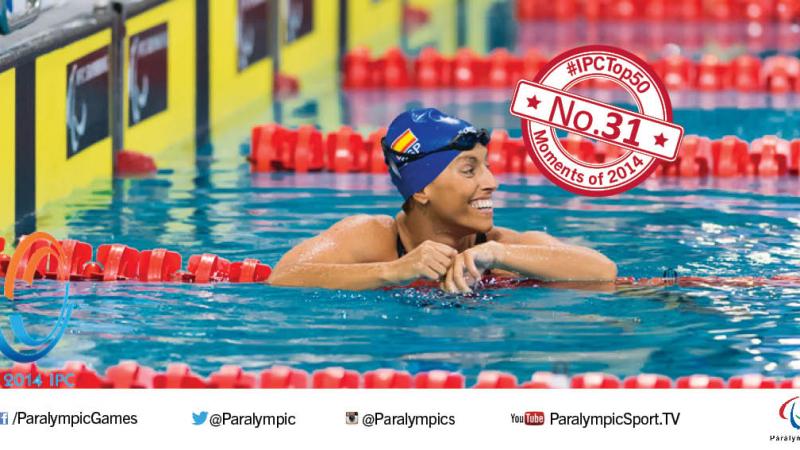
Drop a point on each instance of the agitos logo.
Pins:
(792, 417)
(24, 262)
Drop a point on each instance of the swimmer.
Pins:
(445, 231)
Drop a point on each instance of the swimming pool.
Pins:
(725, 227)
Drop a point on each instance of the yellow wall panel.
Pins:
(440, 31)
(176, 124)
(57, 176)
(377, 25)
(7, 150)
(317, 51)
(232, 90)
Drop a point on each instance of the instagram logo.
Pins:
(534, 418)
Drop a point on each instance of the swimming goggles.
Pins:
(466, 139)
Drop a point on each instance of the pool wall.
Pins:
(164, 78)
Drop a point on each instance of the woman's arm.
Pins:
(359, 253)
(531, 254)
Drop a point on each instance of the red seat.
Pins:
(699, 382)
(249, 271)
(729, 157)
(119, 262)
(266, 144)
(753, 381)
(178, 375)
(794, 157)
(676, 71)
(694, 158)
(374, 152)
(387, 379)
(469, 70)
(781, 73)
(497, 152)
(547, 380)
(129, 374)
(769, 156)
(745, 74)
(208, 267)
(647, 381)
(791, 383)
(505, 69)
(335, 378)
(712, 74)
(439, 379)
(594, 380)
(345, 151)
(429, 69)
(308, 152)
(158, 265)
(395, 69)
(493, 379)
(357, 68)
(230, 376)
(282, 377)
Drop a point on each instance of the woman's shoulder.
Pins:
(367, 237)
(379, 223)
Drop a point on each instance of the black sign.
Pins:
(252, 35)
(87, 101)
(300, 20)
(147, 74)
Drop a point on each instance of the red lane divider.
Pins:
(118, 262)
(778, 74)
(129, 374)
(273, 148)
(660, 10)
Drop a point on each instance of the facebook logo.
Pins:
(3, 418)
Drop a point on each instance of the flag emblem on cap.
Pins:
(404, 141)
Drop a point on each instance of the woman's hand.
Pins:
(428, 260)
(468, 266)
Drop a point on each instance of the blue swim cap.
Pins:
(420, 143)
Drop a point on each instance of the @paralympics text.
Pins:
(407, 420)
(72, 420)
(252, 420)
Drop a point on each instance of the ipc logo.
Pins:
(36, 348)
(791, 416)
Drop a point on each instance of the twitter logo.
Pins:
(200, 418)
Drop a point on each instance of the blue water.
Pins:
(738, 228)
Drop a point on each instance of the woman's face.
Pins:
(462, 193)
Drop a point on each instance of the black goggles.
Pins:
(465, 140)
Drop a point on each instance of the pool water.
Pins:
(725, 228)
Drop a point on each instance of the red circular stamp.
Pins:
(646, 137)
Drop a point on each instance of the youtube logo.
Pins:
(534, 418)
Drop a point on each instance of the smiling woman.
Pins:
(445, 231)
